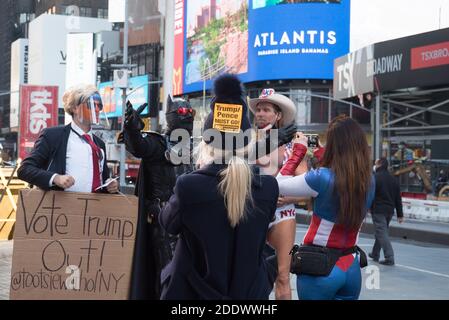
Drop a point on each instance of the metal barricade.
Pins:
(9, 190)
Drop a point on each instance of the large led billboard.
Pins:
(257, 39)
(137, 94)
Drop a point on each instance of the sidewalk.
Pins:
(416, 230)
(5, 268)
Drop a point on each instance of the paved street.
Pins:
(421, 271)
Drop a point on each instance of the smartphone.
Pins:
(312, 140)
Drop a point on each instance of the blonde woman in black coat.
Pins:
(222, 213)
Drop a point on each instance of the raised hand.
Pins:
(300, 138)
(132, 117)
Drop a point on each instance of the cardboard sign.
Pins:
(74, 246)
(228, 117)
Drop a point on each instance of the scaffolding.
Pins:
(409, 116)
(410, 78)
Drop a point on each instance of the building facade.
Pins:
(15, 17)
(145, 52)
(83, 8)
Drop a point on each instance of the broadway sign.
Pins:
(417, 61)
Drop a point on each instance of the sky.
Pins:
(195, 6)
(381, 20)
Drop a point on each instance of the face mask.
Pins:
(374, 168)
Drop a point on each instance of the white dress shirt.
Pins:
(79, 161)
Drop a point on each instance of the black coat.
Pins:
(213, 261)
(49, 157)
(388, 194)
(155, 184)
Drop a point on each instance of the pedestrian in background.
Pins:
(387, 199)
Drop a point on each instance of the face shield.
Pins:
(92, 112)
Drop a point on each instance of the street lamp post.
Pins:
(205, 76)
(125, 62)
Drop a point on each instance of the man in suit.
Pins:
(71, 158)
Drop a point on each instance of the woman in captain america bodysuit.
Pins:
(343, 189)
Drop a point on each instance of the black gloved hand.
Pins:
(286, 134)
(269, 145)
(132, 117)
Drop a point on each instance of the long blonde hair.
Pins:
(236, 180)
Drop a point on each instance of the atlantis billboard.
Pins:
(257, 39)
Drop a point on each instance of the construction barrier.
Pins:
(437, 211)
(10, 186)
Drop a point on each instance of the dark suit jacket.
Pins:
(213, 261)
(49, 157)
(388, 194)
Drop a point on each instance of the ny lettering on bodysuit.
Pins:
(73, 246)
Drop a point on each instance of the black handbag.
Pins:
(319, 261)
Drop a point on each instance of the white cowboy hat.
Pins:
(286, 105)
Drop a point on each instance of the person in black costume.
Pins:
(162, 161)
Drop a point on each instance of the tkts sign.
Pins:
(417, 61)
(38, 111)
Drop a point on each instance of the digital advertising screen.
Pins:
(137, 94)
(258, 40)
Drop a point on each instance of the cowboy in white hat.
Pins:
(272, 111)
(275, 111)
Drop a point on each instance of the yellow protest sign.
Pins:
(228, 117)
(73, 246)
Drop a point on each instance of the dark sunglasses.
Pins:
(93, 102)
